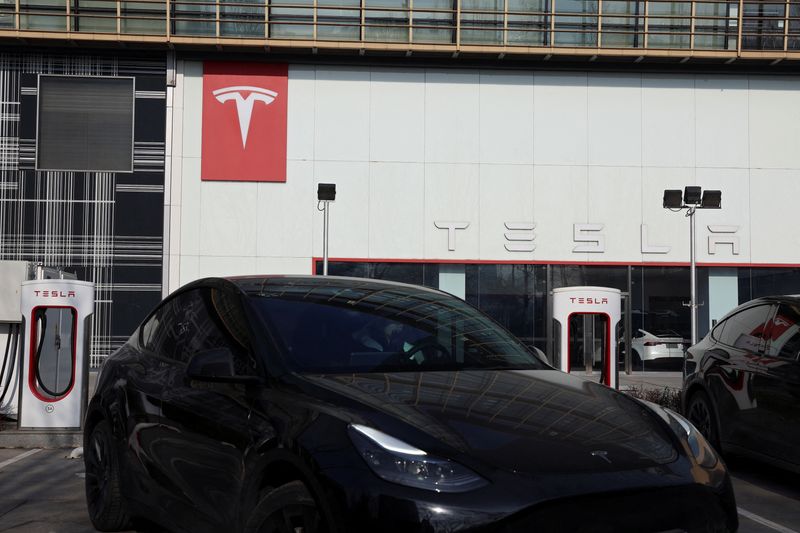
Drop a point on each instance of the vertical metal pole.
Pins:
(216, 18)
(588, 342)
(646, 23)
(410, 21)
(786, 13)
(362, 32)
(326, 208)
(628, 323)
(599, 23)
(739, 29)
(458, 24)
(693, 274)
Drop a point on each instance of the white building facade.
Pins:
(455, 170)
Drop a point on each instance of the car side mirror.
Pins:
(216, 365)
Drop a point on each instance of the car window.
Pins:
(716, 332)
(343, 330)
(783, 332)
(212, 318)
(197, 320)
(160, 334)
(745, 329)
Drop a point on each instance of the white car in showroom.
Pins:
(657, 346)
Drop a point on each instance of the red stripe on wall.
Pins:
(314, 261)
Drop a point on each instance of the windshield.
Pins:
(376, 328)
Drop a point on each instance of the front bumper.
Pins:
(379, 506)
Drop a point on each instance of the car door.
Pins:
(741, 340)
(776, 386)
(205, 424)
(135, 403)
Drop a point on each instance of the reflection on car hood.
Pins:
(522, 420)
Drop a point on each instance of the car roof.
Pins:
(257, 284)
(785, 298)
(792, 298)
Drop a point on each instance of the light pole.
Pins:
(326, 193)
(692, 199)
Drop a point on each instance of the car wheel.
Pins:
(107, 508)
(288, 508)
(700, 412)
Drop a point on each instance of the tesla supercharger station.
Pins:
(55, 359)
(593, 301)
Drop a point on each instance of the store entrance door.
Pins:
(585, 321)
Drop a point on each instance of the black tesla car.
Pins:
(742, 387)
(321, 404)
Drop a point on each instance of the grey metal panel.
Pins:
(12, 274)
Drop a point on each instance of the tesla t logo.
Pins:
(244, 121)
(244, 104)
(602, 454)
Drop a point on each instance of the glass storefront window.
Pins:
(669, 24)
(343, 24)
(528, 22)
(42, 15)
(623, 22)
(386, 26)
(758, 282)
(482, 21)
(576, 23)
(511, 295)
(763, 25)
(658, 294)
(245, 18)
(793, 41)
(294, 21)
(193, 17)
(434, 21)
(615, 277)
(516, 296)
(144, 18)
(715, 25)
(96, 16)
(415, 273)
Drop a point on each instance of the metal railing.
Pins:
(769, 28)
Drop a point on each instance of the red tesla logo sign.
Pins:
(244, 121)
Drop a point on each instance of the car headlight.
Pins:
(396, 461)
(702, 451)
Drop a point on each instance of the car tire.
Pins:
(700, 412)
(289, 507)
(107, 507)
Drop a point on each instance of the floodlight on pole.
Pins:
(711, 200)
(326, 193)
(692, 199)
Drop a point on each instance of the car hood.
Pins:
(534, 421)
